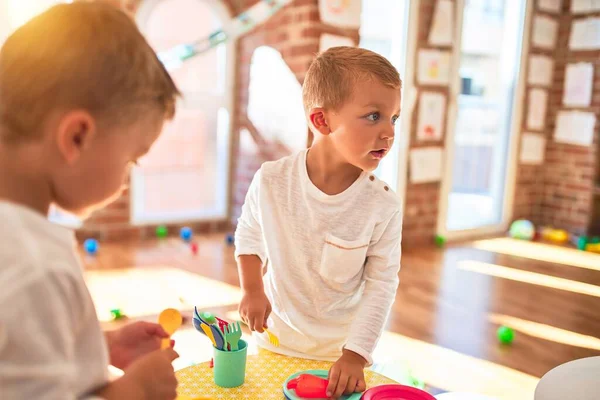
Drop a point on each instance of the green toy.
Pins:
(522, 229)
(506, 335)
(162, 231)
(117, 314)
(440, 241)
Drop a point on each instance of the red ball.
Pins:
(194, 247)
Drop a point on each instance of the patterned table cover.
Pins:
(265, 374)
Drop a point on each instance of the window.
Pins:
(186, 174)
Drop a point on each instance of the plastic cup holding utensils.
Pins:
(229, 367)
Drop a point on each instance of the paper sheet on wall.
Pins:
(442, 27)
(575, 127)
(426, 164)
(584, 6)
(434, 67)
(533, 148)
(585, 34)
(540, 69)
(432, 107)
(328, 41)
(341, 13)
(579, 82)
(536, 114)
(545, 31)
(550, 5)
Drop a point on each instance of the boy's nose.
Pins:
(388, 133)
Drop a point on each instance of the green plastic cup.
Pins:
(229, 367)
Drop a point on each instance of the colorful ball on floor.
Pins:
(117, 314)
(522, 229)
(505, 335)
(186, 233)
(91, 246)
(162, 231)
(440, 241)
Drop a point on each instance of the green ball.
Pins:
(582, 242)
(162, 231)
(506, 335)
(440, 241)
(117, 313)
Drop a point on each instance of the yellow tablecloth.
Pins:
(265, 374)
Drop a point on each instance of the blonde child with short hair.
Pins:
(82, 97)
(327, 228)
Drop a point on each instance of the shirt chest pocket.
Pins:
(342, 261)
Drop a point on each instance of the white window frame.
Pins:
(222, 211)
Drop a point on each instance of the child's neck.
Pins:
(327, 172)
(20, 179)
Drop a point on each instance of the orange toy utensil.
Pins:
(170, 320)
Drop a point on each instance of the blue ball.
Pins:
(91, 246)
(230, 239)
(186, 233)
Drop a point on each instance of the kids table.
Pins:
(265, 374)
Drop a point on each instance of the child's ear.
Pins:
(318, 120)
(75, 131)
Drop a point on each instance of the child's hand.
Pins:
(151, 377)
(347, 375)
(255, 309)
(133, 341)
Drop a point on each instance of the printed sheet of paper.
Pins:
(584, 6)
(579, 82)
(341, 13)
(585, 34)
(533, 148)
(442, 28)
(575, 127)
(426, 164)
(540, 69)
(328, 41)
(434, 67)
(432, 107)
(552, 6)
(536, 114)
(545, 32)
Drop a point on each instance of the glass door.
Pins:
(489, 68)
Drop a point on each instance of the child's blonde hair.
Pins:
(331, 78)
(85, 55)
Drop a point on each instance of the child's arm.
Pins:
(381, 283)
(250, 254)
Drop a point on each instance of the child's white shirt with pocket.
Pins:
(332, 261)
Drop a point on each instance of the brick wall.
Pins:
(561, 192)
(422, 200)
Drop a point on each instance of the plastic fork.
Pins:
(233, 334)
(273, 339)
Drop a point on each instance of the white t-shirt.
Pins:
(51, 343)
(332, 261)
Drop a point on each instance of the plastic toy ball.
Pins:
(194, 248)
(117, 314)
(522, 229)
(440, 241)
(162, 231)
(230, 239)
(506, 335)
(186, 234)
(91, 246)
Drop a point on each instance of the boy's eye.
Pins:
(374, 116)
(394, 119)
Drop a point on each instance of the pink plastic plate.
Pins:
(396, 392)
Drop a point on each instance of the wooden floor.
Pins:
(449, 305)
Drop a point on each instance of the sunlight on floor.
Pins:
(540, 252)
(147, 291)
(453, 371)
(546, 332)
(513, 274)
